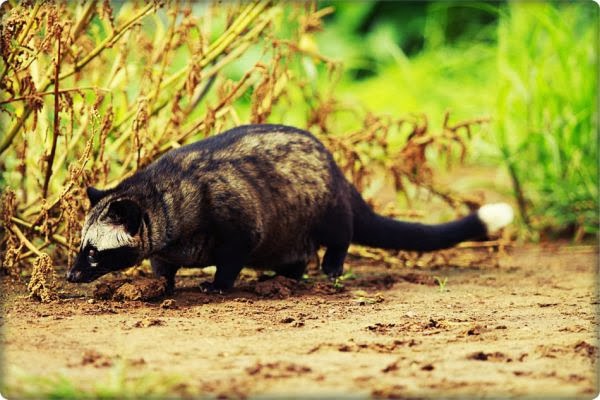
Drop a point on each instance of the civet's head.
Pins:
(110, 240)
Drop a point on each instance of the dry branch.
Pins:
(59, 239)
(53, 92)
(56, 128)
(24, 240)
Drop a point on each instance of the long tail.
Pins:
(374, 230)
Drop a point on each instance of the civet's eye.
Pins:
(92, 258)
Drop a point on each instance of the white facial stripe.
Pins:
(107, 237)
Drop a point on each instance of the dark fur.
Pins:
(264, 196)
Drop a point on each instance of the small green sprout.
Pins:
(441, 283)
(338, 283)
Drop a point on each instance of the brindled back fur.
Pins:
(264, 196)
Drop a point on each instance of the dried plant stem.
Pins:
(14, 129)
(220, 110)
(30, 253)
(487, 243)
(56, 130)
(238, 26)
(464, 124)
(241, 15)
(233, 33)
(308, 52)
(165, 53)
(67, 187)
(84, 20)
(56, 237)
(61, 91)
(22, 37)
(211, 75)
(15, 229)
(446, 195)
(30, 208)
(201, 93)
(107, 43)
(74, 140)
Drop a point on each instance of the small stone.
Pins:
(91, 301)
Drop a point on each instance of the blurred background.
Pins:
(532, 67)
(430, 108)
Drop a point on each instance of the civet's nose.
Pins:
(73, 276)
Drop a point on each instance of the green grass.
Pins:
(547, 111)
(117, 383)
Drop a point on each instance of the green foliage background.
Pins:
(531, 66)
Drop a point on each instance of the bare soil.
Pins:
(526, 327)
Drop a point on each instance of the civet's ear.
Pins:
(95, 195)
(127, 213)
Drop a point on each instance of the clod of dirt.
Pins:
(280, 287)
(573, 328)
(130, 289)
(582, 348)
(391, 367)
(547, 304)
(382, 348)
(169, 304)
(522, 373)
(345, 348)
(97, 360)
(434, 324)
(277, 370)
(477, 330)
(390, 392)
(428, 367)
(106, 290)
(137, 362)
(381, 328)
(42, 285)
(99, 308)
(141, 289)
(328, 287)
(147, 322)
(586, 349)
(481, 356)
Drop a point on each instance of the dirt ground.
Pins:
(526, 327)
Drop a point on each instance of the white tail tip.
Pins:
(495, 216)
